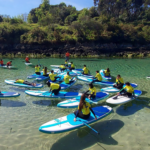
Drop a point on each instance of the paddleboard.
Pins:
(65, 71)
(103, 75)
(46, 94)
(65, 86)
(72, 103)
(67, 123)
(12, 82)
(41, 78)
(28, 64)
(148, 77)
(102, 82)
(9, 67)
(8, 94)
(79, 73)
(113, 90)
(123, 99)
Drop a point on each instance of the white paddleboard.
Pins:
(28, 64)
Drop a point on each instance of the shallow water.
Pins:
(127, 127)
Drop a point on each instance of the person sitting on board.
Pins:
(27, 59)
(67, 56)
(9, 63)
(25, 82)
(1, 93)
(85, 70)
(67, 78)
(119, 82)
(107, 72)
(98, 77)
(84, 109)
(52, 76)
(45, 72)
(128, 91)
(54, 88)
(66, 63)
(37, 70)
(93, 91)
(62, 67)
(72, 66)
(2, 62)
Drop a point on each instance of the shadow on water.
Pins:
(46, 102)
(9, 103)
(113, 79)
(84, 137)
(19, 89)
(133, 106)
(144, 92)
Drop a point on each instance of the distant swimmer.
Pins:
(27, 59)
(67, 56)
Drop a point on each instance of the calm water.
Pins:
(126, 128)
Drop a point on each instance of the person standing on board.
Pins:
(67, 56)
(27, 59)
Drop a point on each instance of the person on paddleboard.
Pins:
(9, 63)
(66, 63)
(2, 62)
(128, 91)
(62, 67)
(27, 59)
(119, 82)
(72, 66)
(84, 109)
(98, 77)
(52, 76)
(25, 82)
(45, 72)
(67, 78)
(37, 70)
(107, 72)
(54, 88)
(67, 56)
(85, 70)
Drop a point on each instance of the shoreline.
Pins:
(86, 50)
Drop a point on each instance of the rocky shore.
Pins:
(85, 50)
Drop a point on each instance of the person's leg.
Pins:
(56, 92)
(80, 115)
(27, 83)
(119, 86)
(38, 73)
(93, 96)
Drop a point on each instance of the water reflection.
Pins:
(9, 103)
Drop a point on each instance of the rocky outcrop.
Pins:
(87, 50)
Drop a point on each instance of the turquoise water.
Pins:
(126, 128)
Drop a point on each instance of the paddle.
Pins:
(89, 126)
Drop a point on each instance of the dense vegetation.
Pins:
(119, 21)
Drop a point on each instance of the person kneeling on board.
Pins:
(85, 70)
(45, 72)
(93, 92)
(52, 76)
(27, 59)
(128, 91)
(98, 77)
(107, 72)
(67, 78)
(119, 82)
(54, 87)
(25, 82)
(37, 70)
(9, 63)
(66, 63)
(72, 66)
(62, 67)
(84, 109)
(2, 62)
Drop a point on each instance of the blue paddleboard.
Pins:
(67, 123)
(46, 94)
(73, 103)
(5, 94)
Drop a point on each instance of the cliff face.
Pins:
(78, 50)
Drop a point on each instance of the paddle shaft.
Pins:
(89, 126)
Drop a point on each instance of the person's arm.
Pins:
(86, 92)
(76, 115)
(93, 112)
